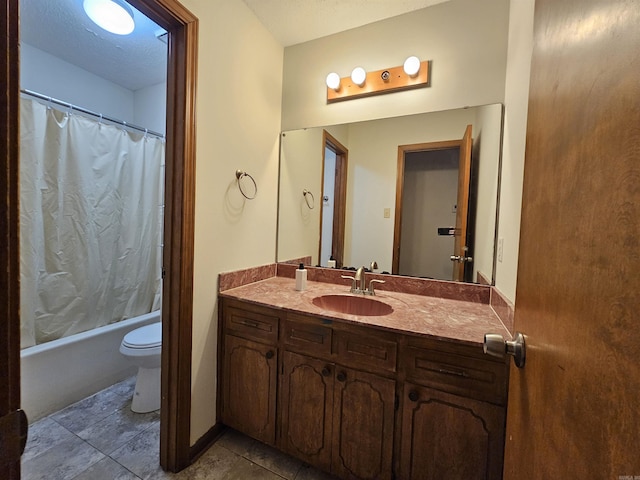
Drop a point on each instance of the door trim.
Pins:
(340, 197)
(402, 151)
(9, 225)
(177, 303)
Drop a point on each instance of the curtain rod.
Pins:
(89, 112)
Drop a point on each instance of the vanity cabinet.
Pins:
(250, 375)
(359, 402)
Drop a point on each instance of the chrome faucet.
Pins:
(359, 281)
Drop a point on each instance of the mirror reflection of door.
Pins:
(432, 204)
(334, 190)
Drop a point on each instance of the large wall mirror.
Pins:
(396, 191)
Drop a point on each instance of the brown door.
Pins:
(574, 409)
(462, 211)
(13, 424)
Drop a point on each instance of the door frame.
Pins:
(340, 197)
(402, 152)
(177, 303)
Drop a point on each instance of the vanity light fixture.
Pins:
(413, 74)
(333, 81)
(114, 16)
(359, 76)
(411, 66)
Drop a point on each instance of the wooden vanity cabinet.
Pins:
(453, 412)
(249, 376)
(337, 418)
(359, 402)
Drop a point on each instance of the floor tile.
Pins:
(308, 472)
(141, 455)
(43, 435)
(236, 442)
(124, 388)
(89, 411)
(215, 464)
(63, 461)
(117, 429)
(244, 469)
(273, 460)
(106, 469)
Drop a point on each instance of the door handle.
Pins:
(461, 258)
(496, 346)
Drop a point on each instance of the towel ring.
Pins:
(307, 194)
(240, 175)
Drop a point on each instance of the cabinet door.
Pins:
(446, 436)
(249, 388)
(307, 406)
(363, 418)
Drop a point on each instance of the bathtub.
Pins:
(59, 373)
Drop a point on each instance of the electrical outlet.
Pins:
(500, 249)
(387, 213)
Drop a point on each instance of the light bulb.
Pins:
(358, 76)
(114, 16)
(333, 81)
(412, 66)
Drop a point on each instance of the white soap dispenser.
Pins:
(301, 278)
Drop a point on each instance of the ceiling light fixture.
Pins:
(114, 16)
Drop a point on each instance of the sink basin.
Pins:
(353, 305)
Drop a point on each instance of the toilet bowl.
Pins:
(142, 347)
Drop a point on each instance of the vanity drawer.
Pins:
(307, 337)
(370, 352)
(256, 325)
(458, 374)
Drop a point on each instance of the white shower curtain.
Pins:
(90, 223)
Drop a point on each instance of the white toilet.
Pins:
(142, 347)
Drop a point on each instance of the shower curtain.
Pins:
(91, 213)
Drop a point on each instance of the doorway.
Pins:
(334, 199)
(424, 170)
(177, 302)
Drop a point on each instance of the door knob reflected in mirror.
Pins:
(496, 346)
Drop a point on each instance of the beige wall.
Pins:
(464, 39)
(238, 124)
(516, 102)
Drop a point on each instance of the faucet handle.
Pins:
(371, 290)
(353, 282)
(373, 266)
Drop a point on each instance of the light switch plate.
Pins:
(387, 213)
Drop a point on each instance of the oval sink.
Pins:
(353, 305)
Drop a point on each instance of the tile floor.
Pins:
(99, 438)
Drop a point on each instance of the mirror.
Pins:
(377, 208)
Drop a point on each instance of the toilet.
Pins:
(142, 347)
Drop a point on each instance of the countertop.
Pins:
(440, 318)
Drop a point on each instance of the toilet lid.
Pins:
(148, 336)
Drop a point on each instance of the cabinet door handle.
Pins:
(269, 354)
(251, 323)
(413, 396)
(341, 376)
(453, 372)
(326, 371)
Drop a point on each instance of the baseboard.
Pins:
(205, 441)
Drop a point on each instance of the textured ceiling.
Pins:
(296, 21)
(61, 28)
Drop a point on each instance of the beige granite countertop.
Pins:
(460, 321)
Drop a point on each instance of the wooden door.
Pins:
(574, 409)
(363, 419)
(306, 409)
(447, 436)
(13, 424)
(460, 247)
(249, 388)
